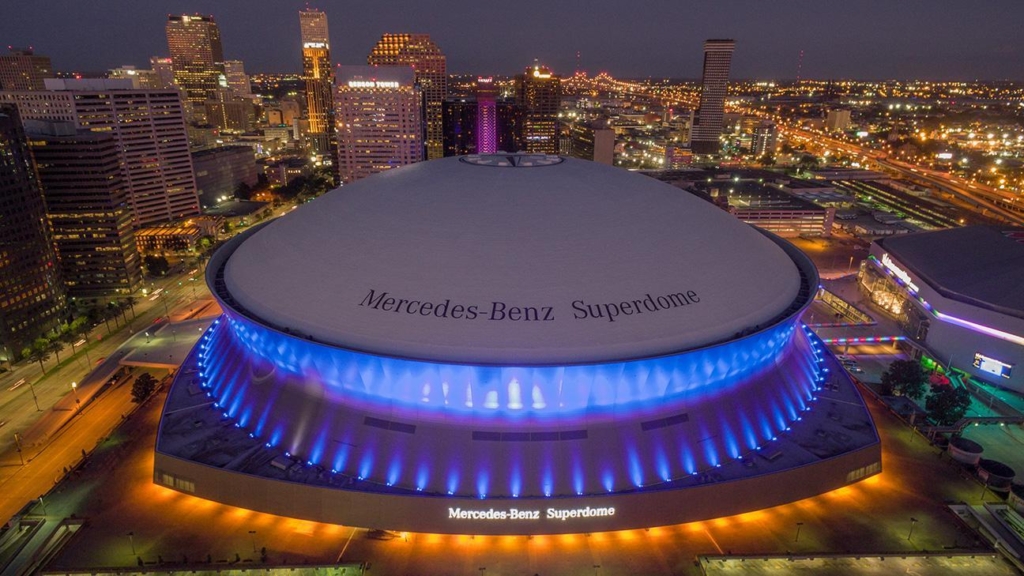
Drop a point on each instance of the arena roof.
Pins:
(512, 260)
(978, 265)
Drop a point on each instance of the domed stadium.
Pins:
(511, 344)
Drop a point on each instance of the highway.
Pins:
(45, 465)
(985, 199)
(18, 413)
(72, 422)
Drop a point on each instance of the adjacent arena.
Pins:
(511, 344)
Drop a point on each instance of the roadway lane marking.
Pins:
(344, 548)
(712, 538)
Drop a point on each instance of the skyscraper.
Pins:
(236, 78)
(32, 300)
(486, 116)
(22, 69)
(228, 111)
(420, 52)
(198, 59)
(464, 133)
(379, 114)
(149, 126)
(539, 93)
(87, 208)
(316, 70)
(714, 84)
(145, 79)
(164, 70)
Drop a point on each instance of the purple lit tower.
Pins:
(486, 116)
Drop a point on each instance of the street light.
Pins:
(913, 523)
(252, 534)
(131, 541)
(17, 441)
(78, 401)
(798, 526)
(32, 388)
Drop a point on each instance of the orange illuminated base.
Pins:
(522, 516)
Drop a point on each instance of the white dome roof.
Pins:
(563, 263)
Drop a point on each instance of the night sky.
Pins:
(866, 39)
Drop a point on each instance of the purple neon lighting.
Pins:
(486, 126)
(974, 326)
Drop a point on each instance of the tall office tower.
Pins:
(539, 93)
(87, 208)
(420, 52)
(592, 140)
(462, 126)
(230, 112)
(198, 59)
(24, 70)
(237, 79)
(32, 299)
(149, 126)
(379, 114)
(145, 79)
(164, 70)
(486, 116)
(316, 70)
(837, 120)
(714, 84)
(764, 139)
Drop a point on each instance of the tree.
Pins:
(54, 345)
(99, 314)
(904, 378)
(156, 265)
(38, 352)
(143, 387)
(69, 336)
(807, 162)
(131, 301)
(243, 191)
(112, 313)
(79, 328)
(947, 404)
(204, 243)
(122, 307)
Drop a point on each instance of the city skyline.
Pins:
(864, 40)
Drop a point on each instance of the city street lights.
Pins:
(131, 541)
(798, 526)
(252, 535)
(78, 401)
(913, 523)
(17, 441)
(32, 388)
